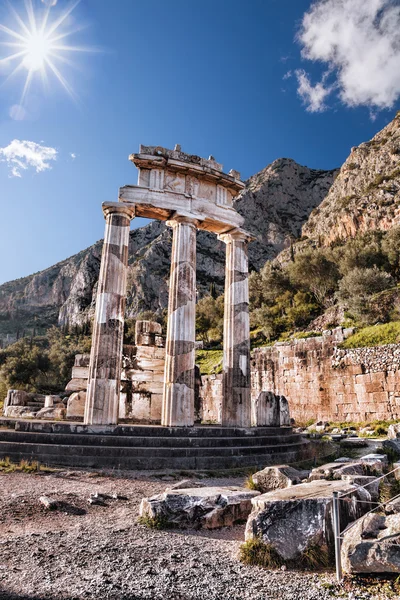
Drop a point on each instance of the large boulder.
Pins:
(372, 545)
(208, 507)
(300, 517)
(277, 477)
(76, 405)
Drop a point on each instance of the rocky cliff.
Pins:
(275, 203)
(365, 194)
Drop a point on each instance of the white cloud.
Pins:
(21, 155)
(313, 96)
(72, 155)
(359, 41)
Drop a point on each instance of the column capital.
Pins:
(236, 235)
(177, 219)
(118, 208)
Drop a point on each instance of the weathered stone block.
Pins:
(76, 405)
(372, 545)
(277, 477)
(209, 508)
(301, 516)
(266, 410)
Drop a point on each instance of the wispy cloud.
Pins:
(313, 96)
(359, 42)
(21, 155)
(72, 155)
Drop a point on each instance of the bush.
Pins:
(376, 335)
(357, 288)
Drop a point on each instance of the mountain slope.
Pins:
(275, 204)
(365, 194)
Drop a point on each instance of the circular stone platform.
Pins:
(149, 447)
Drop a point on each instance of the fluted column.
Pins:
(108, 328)
(236, 403)
(178, 399)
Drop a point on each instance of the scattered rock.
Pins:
(372, 545)
(48, 503)
(276, 477)
(210, 508)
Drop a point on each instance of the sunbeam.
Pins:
(36, 47)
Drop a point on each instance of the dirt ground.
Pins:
(82, 551)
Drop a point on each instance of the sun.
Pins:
(38, 50)
(38, 45)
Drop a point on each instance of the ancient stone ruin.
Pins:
(189, 193)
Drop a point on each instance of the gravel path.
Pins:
(101, 552)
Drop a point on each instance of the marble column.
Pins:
(178, 399)
(236, 403)
(104, 380)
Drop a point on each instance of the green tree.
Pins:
(357, 288)
(313, 272)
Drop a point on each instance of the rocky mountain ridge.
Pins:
(365, 194)
(275, 203)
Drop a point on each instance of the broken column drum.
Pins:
(189, 193)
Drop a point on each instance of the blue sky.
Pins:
(218, 77)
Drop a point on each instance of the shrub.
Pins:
(255, 552)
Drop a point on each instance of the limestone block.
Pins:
(80, 372)
(371, 483)
(54, 412)
(82, 360)
(298, 517)
(155, 408)
(208, 507)
(284, 412)
(147, 327)
(141, 406)
(76, 405)
(154, 387)
(266, 410)
(394, 431)
(277, 477)
(151, 352)
(15, 412)
(76, 385)
(392, 445)
(397, 471)
(372, 545)
(17, 398)
(51, 401)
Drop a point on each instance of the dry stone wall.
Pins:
(324, 382)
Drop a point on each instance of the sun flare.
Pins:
(38, 45)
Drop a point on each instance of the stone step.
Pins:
(117, 452)
(213, 431)
(19, 451)
(146, 441)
